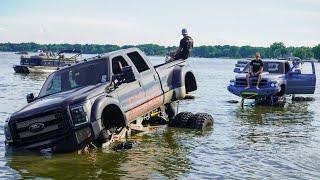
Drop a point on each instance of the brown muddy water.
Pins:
(249, 142)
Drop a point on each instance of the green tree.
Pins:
(316, 51)
(277, 49)
(303, 52)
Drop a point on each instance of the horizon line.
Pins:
(166, 46)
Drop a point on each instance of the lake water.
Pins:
(249, 142)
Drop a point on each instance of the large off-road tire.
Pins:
(158, 121)
(282, 90)
(104, 136)
(124, 146)
(171, 109)
(201, 120)
(182, 120)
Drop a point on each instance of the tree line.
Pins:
(275, 50)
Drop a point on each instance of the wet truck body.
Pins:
(280, 77)
(86, 102)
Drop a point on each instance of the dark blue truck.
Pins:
(90, 101)
(280, 77)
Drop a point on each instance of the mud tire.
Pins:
(171, 110)
(182, 120)
(124, 146)
(201, 121)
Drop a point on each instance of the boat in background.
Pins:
(46, 62)
(22, 52)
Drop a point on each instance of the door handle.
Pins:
(139, 83)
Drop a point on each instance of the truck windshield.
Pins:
(270, 67)
(84, 74)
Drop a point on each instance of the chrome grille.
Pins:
(52, 125)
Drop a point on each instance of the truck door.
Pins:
(131, 95)
(301, 79)
(150, 81)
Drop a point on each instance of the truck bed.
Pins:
(165, 72)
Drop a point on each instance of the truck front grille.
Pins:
(43, 127)
(243, 82)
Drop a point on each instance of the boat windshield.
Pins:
(270, 67)
(80, 75)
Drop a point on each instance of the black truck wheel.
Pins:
(124, 146)
(201, 120)
(182, 120)
(104, 136)
(171, 109)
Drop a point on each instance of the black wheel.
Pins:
(171, 110)
(201, 120)
(105, 136)
(158, 121)
(282, 91)
(124, 146)
(181, 120)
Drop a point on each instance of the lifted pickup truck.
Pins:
(280, 77)
(90, 101)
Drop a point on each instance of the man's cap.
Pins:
(184, 31)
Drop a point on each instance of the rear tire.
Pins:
(182, 120)
(104, 136)
(282, 91)
(201, 120)
(171, 110)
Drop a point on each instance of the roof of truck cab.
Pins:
(120, 51)
(101, 56)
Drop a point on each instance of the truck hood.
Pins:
(58, 101)
(267, 76)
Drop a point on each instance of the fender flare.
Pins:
(97, 109)
(178, 81)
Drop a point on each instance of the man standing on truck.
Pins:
(185, 47)
(255, 70)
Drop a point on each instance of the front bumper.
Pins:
(73, 140)
(262, 92)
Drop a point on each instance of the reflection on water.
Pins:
(288, 125)
(250, 142)
(157, 155)
(32, 77)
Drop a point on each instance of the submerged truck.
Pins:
(279, 78)
(90, 101)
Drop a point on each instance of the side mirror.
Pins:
(30, 98)
(128, 74)
(237, 70)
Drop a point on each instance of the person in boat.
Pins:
(185, 47)
(255, 70)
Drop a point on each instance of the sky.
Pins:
(132, 22)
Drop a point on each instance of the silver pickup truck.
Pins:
(88, 102)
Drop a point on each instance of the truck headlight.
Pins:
(274, 84)
(79, 113)
(232, 83)
(7, 132)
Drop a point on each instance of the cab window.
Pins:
(138, 61)
(117, 64)
(273, 67)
